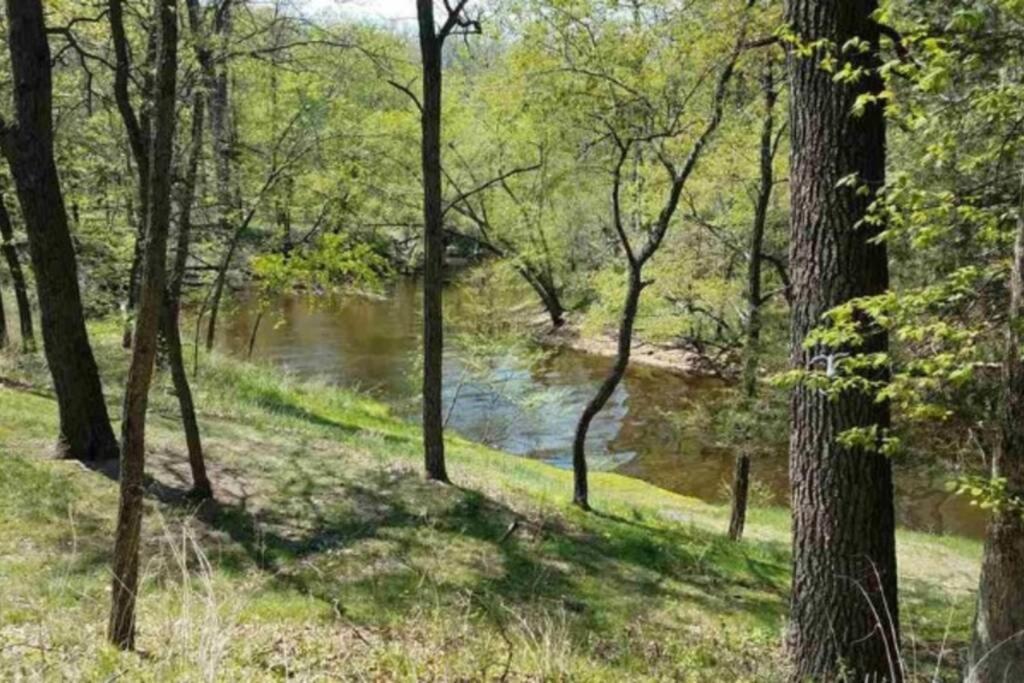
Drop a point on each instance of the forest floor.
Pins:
(327, 555)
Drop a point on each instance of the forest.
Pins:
(512, 340)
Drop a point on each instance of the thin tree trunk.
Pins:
(136, 132)
(28, 339)
(201, 487)
(548, 294)
(637, 260)
(752, 347)
(121, 630)
(252, 335)
(170, 320)
(997, 650)
(844, 617)
(605, 391)
(218, 290)
(4, 340)
(217, 77)
(433, 245)
(85, 431)
(740, 492)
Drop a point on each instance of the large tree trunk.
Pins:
(28, 339)
(997, 652)
(124, 588)
(607, 388)
(752, 345)
(433, 245)
(844, 613)
(85, 431)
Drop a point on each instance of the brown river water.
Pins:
(530, 409)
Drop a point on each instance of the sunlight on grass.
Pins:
(329, 554)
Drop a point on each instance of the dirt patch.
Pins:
(671, 358)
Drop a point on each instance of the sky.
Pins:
(391, 11)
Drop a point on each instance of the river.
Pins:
(511, 401)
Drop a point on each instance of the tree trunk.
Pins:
(548, 294)
(752, 347)
(4, 340)
(85, 431)
(170, 320)
(136, 134)
(844, 613)
(152, 294)
(433, 245)
(217, 79)
(218, 288)
(201, 487)
(997, 650)
(637, 260)
(740, 492)
(28, 339)
(607, 388)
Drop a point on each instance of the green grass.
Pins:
(329, 556)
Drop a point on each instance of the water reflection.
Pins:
(530, 409)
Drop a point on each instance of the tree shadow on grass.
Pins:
(275, 401)
(376, 543)
(390, 540)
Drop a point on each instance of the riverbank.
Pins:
(328, 555)
(675, 359)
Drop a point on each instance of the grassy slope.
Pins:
(329, 555)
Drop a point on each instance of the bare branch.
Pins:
(408, 91)
(490, 183)
(456, 19)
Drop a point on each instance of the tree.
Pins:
(997, 649)
(121, 630)
(755, 300)
(4, 340)
(137, 129)
(214, 64)
(170, 315)
(653, 135)
(28, 340)
(85, 431)
(844, 611)
(432, 39)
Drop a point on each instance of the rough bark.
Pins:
(28, 339)
(85, 431)
(755, 299)
(844, 615)
(431, 43)
(121, 630)
(997, 650)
